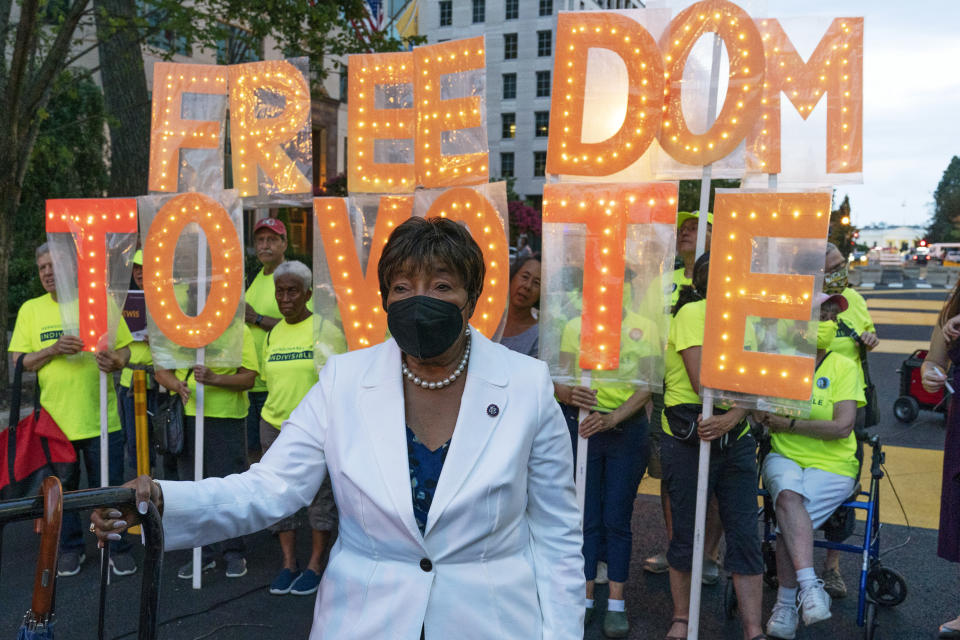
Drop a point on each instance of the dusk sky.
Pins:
(911, 101)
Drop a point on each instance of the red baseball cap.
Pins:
(273, 224)
(836, 298)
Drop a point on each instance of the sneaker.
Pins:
(122, 564)
(815, 604)
(282, 583)
(70, 563)
(601, 574)
(711, 572)
(656, 564)
(306, 584)
(833, 584)
(615, 624)
(783, 621)
(236, 567)
(186, 571)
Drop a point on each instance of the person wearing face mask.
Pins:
(810, 471)
(450, 464)
(856, 336)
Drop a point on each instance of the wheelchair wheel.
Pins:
(730, 600)
(906, 409)
(886, 587)
(870, 631)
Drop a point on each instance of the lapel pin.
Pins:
(493, 410)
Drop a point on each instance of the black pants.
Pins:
(224, 453)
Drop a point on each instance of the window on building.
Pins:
(509, 86)
(160, 36)
(544, 43)
(509, 46)
(479, 10)
(541, 123)
(546, 7)
(506, 165)
(508, 128)
(344, 74)
(238, 47)
(511, 9)
(446, 13)
(539, 164)
(543, 84)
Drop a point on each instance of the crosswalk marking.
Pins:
(900, 303)
(905, 347)
(915, 473)
(907, 318)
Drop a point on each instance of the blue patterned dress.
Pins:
(425, 468)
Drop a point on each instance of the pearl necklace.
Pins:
(442, 383)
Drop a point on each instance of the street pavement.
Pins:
(241, 608)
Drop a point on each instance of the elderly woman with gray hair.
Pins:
(289, 365)
(450, 463)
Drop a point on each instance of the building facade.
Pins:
(520, 41)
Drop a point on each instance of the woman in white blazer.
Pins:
(488, 549)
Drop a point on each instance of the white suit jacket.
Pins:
(501, 555)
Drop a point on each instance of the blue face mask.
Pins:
(424, 327)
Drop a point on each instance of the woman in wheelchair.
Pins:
(810, 471)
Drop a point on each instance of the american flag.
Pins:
(372, 21)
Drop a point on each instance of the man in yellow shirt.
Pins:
(262, 314)
(70, 392)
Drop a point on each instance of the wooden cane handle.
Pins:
(45, 577)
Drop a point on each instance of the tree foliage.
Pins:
(945, 225)
(842, 230)
(689, 194)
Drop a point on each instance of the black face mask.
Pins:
(424, 327)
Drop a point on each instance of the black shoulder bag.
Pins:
(168, 422)
(872, 410)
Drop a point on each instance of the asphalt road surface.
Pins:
(241, 608)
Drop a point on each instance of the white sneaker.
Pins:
(601, 573)
(783, 621)
(815, 604)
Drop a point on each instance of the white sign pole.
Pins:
(582, 445)
(199, 400)
(703, 474)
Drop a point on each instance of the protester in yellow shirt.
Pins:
(290, 370)
(262, 315)
(70, 392)
(225, 412)
(733, 466)
(811, 470)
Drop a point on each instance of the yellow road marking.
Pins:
(868, 293)
(905, 347)
(909, 305)
(916, 473)
(918, 318)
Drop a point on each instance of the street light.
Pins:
(845, 220)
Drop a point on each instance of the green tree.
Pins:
(67, 162)
(689, 194)
(39, 39)
(841, 229)
(945, 225)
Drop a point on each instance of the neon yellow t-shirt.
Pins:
(69, 385)
(638, 339)
(686, 331)
(261, 295)
(857, 317)
(288, 365)
(219, 402)
(835, 380)
(679, 280)
(139, 354)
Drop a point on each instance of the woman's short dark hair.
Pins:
(519, 262)
(424, 244)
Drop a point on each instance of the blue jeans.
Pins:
(616, 461)
(88, 454)
(257, 400)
